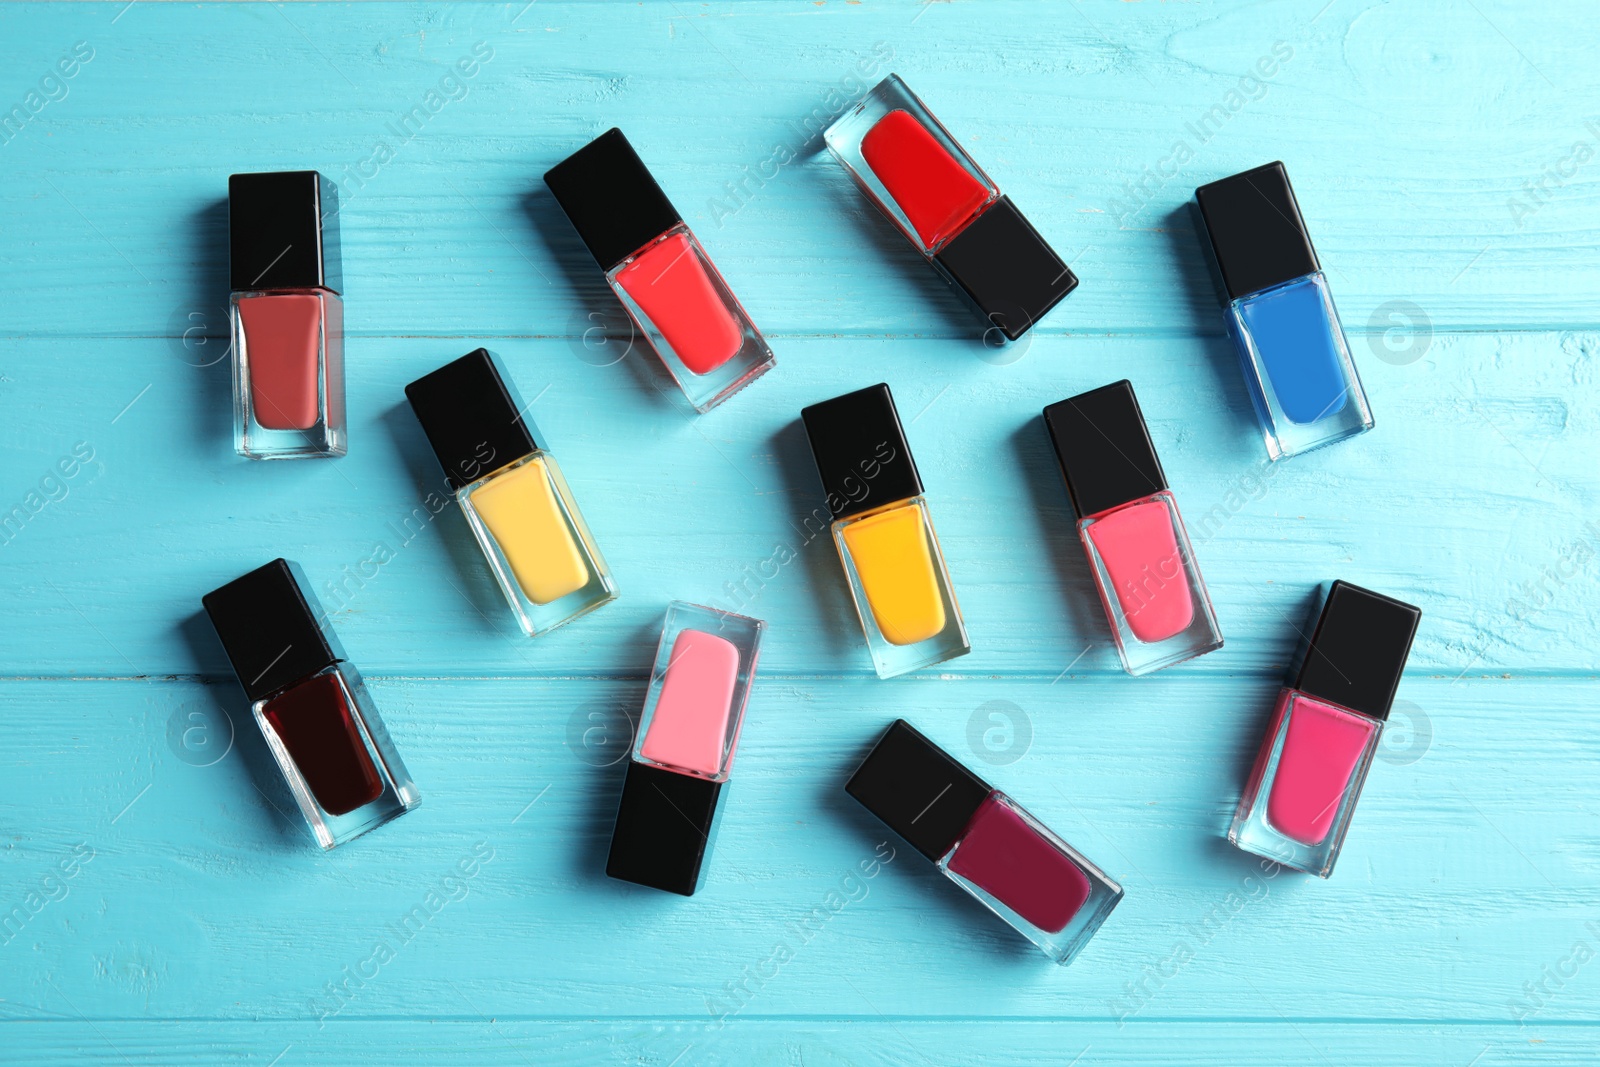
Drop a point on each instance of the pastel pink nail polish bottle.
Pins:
(1132, 533)
(1324, 731)
(683, 754)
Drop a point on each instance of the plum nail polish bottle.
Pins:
(985, 842)
(884, 533)
(683, 755)
(286, 315)
(1315, 755)
(659, 271)
(310, 704)
(1138, 550)
(914, 171)
(1280, 314)
(512, 492)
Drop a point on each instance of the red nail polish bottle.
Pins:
(310, 704)
(287, 318)
(659, 271)
(943, 202)
(985, 842)
(1139, 552)
(1325, 729)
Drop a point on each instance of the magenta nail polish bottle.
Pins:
(1132, 533)
(1324, 731)
(985, 842)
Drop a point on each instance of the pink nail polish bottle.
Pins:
(1324, 731)
(659, 271)
(683, 754)
(1132, 533)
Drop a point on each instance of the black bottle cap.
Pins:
(665, 825)
(612, 199)
(918, 790)
(283, 231)
(1104, 448)
(1358, 651)
(272, 627)
(861, 451)
(1256, 230)
(1002, 264)
(473, 417)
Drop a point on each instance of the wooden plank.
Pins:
(1464, 876)
(1473, 498)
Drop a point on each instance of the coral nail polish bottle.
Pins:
(512, 492)
(883, 532)
(1280, 314)
(1132, 533)
(943, 202)
(286, 316)
(659, 271)
(985, 842)
(1324, 731)
(683, 754)
(311, 705)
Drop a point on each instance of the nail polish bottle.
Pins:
(286, 316)
(1315, 755)
(512, 492)
(1280, 314)
(985, 842)
(1131, 530)
(684, 749)
(659, 271)
(310, 704)
(943, 202)
(883, 532)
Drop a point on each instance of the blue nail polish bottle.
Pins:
(1280, 314)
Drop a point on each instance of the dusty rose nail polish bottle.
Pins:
(286, 314)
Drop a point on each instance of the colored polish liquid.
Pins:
(673, 289)
(1322, 748)
(283, 332)
(689, 728)
(530, 527)
(896, 569)
(1005, 857)
(935, 191)
(1294, 335)
(1139, 549)
(314, 723)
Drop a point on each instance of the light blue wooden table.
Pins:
(1447, 156)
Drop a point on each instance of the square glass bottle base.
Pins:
(1297, 367)
(1305, 784)
(540, 549)
(288, 374)
(1067, 896)
(901, 588)
(1149, 584)
(334, 703)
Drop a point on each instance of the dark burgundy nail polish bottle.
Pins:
(985, 842)
(310, 704)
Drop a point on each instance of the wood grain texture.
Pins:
(1442, 154)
